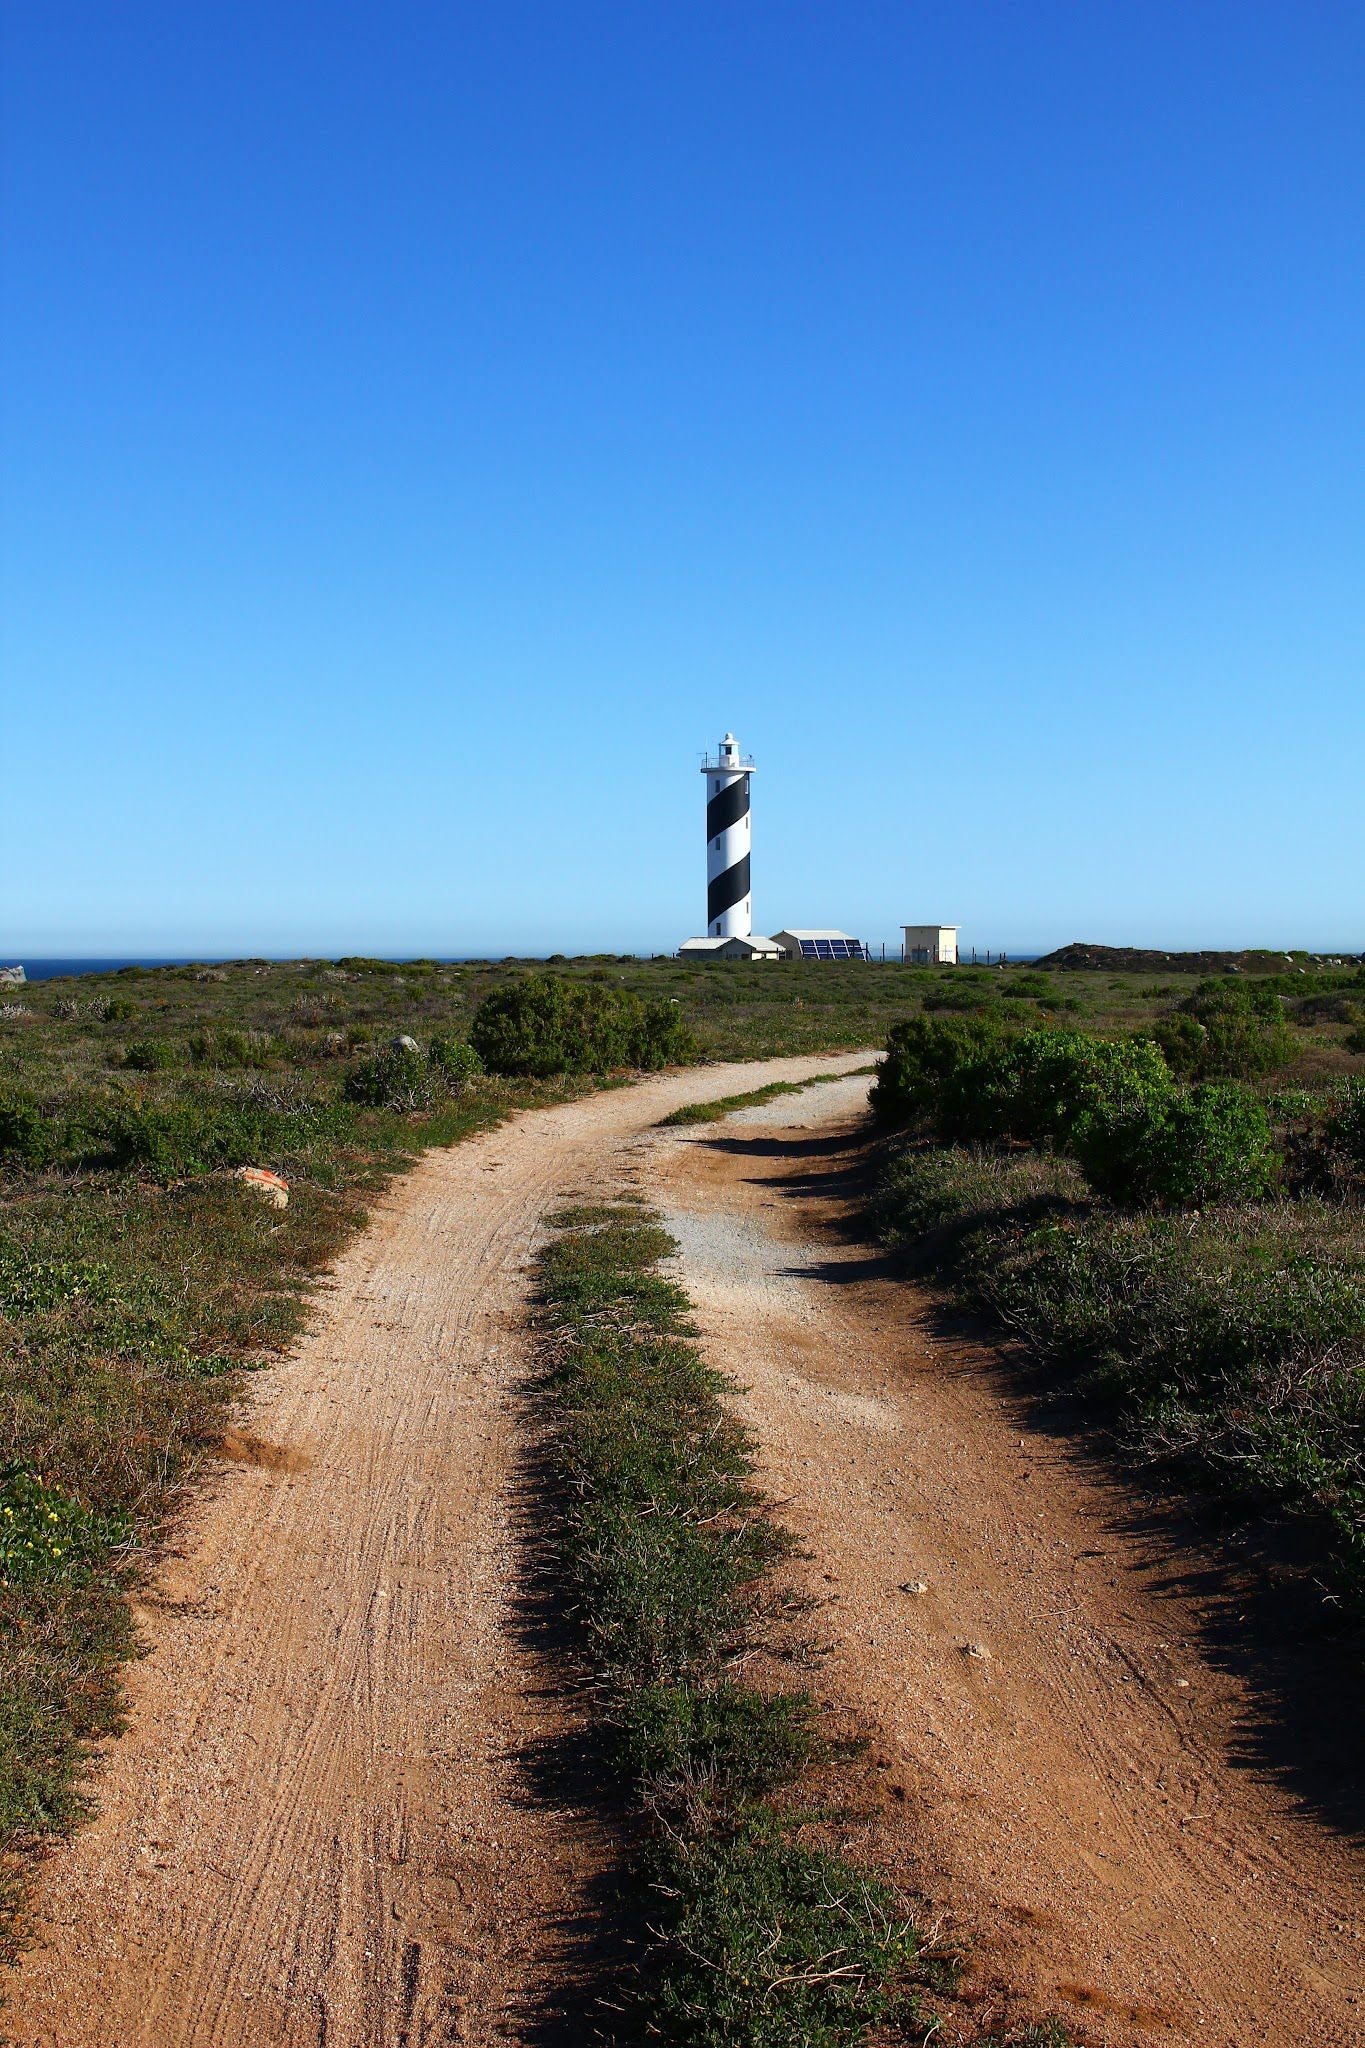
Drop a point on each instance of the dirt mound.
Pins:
(1142, 960)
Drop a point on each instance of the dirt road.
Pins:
(1054, 1757)
(315, 1830)
(318, 1829)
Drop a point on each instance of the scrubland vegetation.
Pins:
(1159, 1217)
(1049, 1173)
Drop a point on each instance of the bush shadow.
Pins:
(1247, 1588)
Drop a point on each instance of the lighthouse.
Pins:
(729, 913)
(729, 905)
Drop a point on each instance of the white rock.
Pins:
(269, 1186)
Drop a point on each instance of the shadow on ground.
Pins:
(1248, 1594)
(589, 1949)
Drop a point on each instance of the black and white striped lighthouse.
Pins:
(728, 911)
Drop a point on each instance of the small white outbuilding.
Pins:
(930, 945)
(733, 948)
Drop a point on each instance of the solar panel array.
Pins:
(834, 949)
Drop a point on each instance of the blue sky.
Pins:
(427, 427)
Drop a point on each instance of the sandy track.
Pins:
(1072, 1795)
(315, 1833)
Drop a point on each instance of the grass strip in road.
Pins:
(760, 1936)
(725, 1105)
(763, 1934)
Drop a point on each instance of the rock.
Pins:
(269, 1186)
(978, 1650)
(915, 1586)
(405, 1044)
(12, 977)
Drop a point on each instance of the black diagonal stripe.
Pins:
(728, 889)
(729, 807)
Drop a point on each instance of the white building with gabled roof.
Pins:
(733, 948)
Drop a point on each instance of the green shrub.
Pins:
(1355, 1040)
(771, 1943)
(397, 1077)
(455, 1060)
(47, 1536)
(548, 1025)
(179, 1140)
(969, 1078)
(1040, 1086)
(686, 1742)
(1333, 1007)
(960, 995)
(149, 1055)
(1225, 1031)
(1345, 1126)
(922, 1055)
(1184, 1149)
(227, 1046)
(26, 1135)
(1030, 988)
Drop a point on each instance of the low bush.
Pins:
(923, 1055)
(971, 1078)
(46, 1535)
(229, 1047)
(774, 1944)
(960, 995)
(547, 1025)
(1225, 1031)
(1334, 1007)
(455, 1060)
(1042, 1085)
(1111, 1101)
(397, 1077)
(1344, 1129)
(26, 1135)
(149, 1055)
(687, 1745)
(931, 1200)
(1184, 1148)
(175, 1141)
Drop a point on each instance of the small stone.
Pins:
(978, 1650)
(915, 1586)
(405, 1044)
